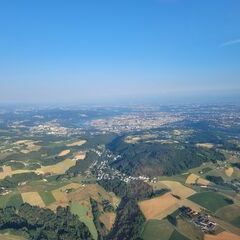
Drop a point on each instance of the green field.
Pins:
(4, 199)
(47, 197)
(11, 199)
(210, 200)
(81, 211)
(188, 229)
(236, 222)
(230, 214)
(15, 200)
(178, 236)
(157, 230)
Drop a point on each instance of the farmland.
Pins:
(157, 230)
(160, 207)
(148, 174)
(210, 200)
(33, 198)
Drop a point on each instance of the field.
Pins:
(76, 143)
(137, 138)
(12, 199)
(229, 171)
(11, 237)
(178, 189)
(15, 200)
(64, 153)
(84, 216)
(188, 229)
(47, 197)
(167, 203)
(61, 167)
(177, 236)
(157, 230)
(60, 196)
(230, 214)
(222, 236)
(6, 172)
(210, 200)
(27, 146)
(58, 168)
(159, 207)
(195, 179)
(33, 198)
(205, 145)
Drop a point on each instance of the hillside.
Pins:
(154, 158)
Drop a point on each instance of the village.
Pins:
(201, 220)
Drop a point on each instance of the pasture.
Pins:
(47, 197)
(61, 167)
(177, 236)
(157, 230)
(230, 214)
(14, 200)
(85, 215)
(188, 229)
(210, 200)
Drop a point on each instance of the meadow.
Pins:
(210, 200)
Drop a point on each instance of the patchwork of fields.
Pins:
(59, 187)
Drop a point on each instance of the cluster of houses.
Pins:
(4, 191)
(201, 220)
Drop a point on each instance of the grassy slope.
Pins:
(81, 211)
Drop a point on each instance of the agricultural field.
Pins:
(222, 236)
(157, 230)
(47, 197)
(33, 198)
(195, 179)
(159, 207)
(177, 236)
(210, 200)
(11, 199)
(57, 160)
(8, 236)
(230, 214)
(61, 167)
(85, 215)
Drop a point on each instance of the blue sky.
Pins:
(82, 50)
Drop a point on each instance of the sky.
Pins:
(91, 51)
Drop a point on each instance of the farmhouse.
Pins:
(199, 219)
